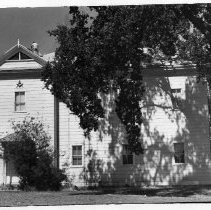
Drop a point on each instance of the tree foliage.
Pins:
(104, 52)
(32, 157)
(197, 45)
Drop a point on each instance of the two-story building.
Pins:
(175, 129)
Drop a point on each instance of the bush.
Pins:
(32, 157)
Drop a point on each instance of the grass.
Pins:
(127, 195)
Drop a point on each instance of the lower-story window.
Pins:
(127, 155)
(179, 152)
(77, 155)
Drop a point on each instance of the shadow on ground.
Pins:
(177, 191)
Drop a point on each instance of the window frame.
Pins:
(81, 156)
(179, 153)
(20, 103)
(20, 57)
(176, 100)
(126, 155)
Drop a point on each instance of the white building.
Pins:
(175, 130)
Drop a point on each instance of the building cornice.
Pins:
(26, 73)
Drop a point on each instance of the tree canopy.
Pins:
(105, 51)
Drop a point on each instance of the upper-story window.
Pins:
(20, 104)
(178, 93)
(19, 56)
(177, 98)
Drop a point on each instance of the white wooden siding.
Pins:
(12, 65)
(162, 127)
(39, 103)
(70, 134)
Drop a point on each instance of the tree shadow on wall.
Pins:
(163, 126)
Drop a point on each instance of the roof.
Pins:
(34, 62)
(156, 66)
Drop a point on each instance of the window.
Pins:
(20, 101)
(15, 57)
(176, 101)
(179, 153)
(127, 155)
(77, 155)
(19, 56)
(24, 56)
(176, 91)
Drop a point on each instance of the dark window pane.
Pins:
(74, 151)
(126, 149)
(14, 57)
(127, 155)
(77, 150)
(176, 90)
(77, 160)
(130, 159)
(179, 158)
(179, 153)
(124, 159)
(24, 56)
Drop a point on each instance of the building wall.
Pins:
(39, 104)
(70, 134)
(163, 125)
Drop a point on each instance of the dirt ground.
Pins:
(189, 194)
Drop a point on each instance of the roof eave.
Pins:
(21, 48)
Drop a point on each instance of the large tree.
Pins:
(105, 51)
(196, 45)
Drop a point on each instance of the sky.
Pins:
(29, 21)
(30, 24)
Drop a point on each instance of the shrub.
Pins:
(33, 157)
